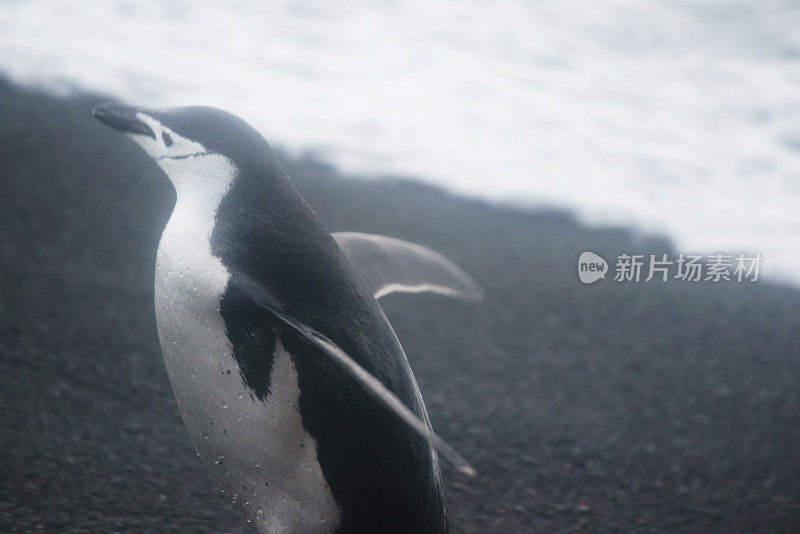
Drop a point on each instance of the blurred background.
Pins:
(511, 136)
(674, 116)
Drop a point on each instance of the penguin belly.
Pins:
(257, 450)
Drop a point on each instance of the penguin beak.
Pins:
(121, 118)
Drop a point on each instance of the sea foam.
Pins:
(677, 117)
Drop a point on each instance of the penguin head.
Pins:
(180, 138)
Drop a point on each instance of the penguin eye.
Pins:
(167, 139)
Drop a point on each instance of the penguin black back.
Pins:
(382, 477)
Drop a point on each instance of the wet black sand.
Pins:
(605, 408)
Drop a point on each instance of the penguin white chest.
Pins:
(257, 450)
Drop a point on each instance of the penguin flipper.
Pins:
(390, 265)
(364, 378)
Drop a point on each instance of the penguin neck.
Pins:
(200, 184)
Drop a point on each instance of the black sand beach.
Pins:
(661, 407)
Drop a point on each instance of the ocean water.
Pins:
(679, 117)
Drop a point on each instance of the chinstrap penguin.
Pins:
(293, 387)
